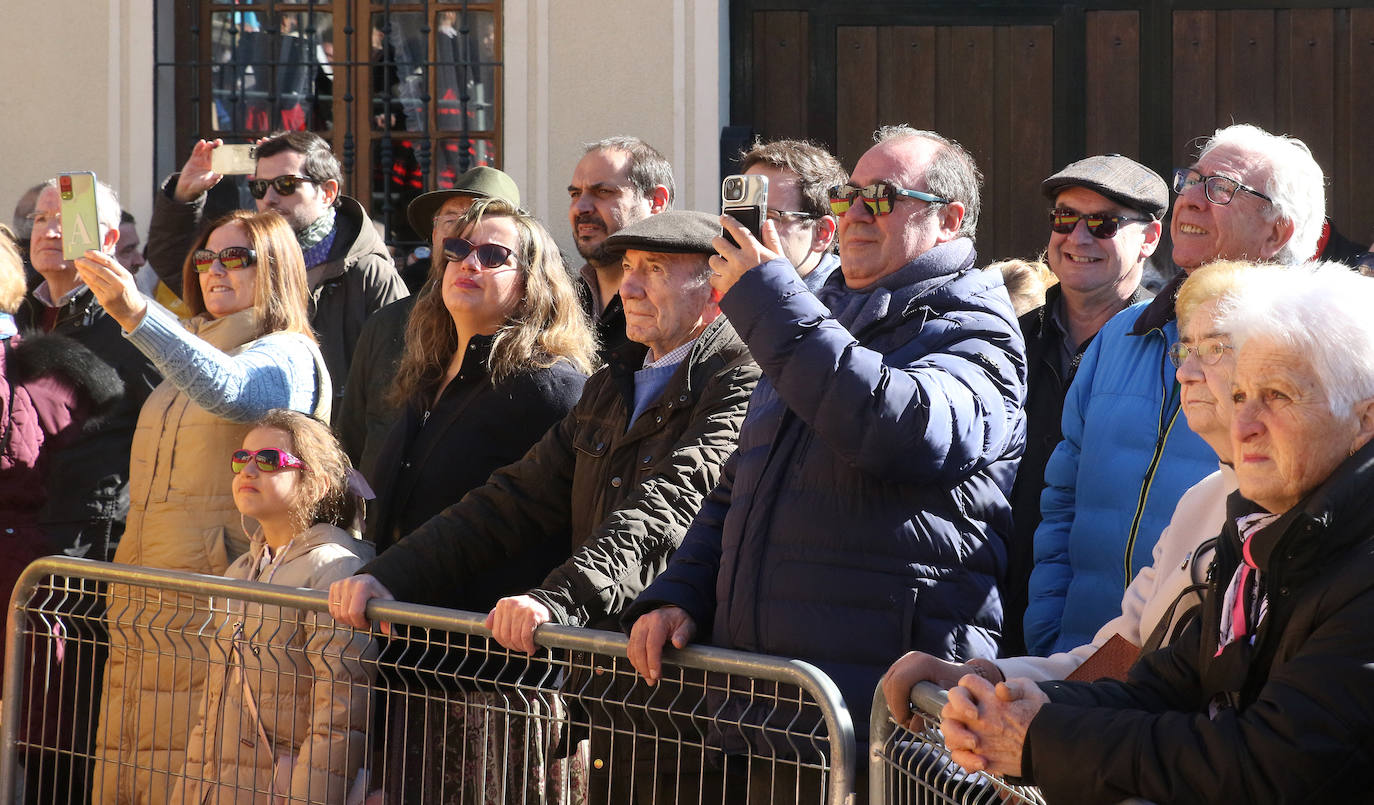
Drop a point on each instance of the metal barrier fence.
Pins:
(127, 684)
(908, 766)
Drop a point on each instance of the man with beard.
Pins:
(618, 181)
(351, 272)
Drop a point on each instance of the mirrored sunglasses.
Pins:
(1099, 225)
(490, 255)
(284, 185)
(233, 258)
(878, 197)
(269, 459)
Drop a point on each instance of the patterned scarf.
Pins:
(1245, 595)
(317, 239)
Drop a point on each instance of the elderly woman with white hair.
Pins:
(1267, 696)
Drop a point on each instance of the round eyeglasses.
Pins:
(1209, 352)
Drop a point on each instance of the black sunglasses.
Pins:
(1100, 225)
(232, 258)
(284, 185)
(490, 255)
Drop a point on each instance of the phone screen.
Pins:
(80, 221)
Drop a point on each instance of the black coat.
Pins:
(1290, 718)
(434, 455)
(88, 478)
(1046, 386)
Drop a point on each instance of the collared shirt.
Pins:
(653, 378)
(44, 294)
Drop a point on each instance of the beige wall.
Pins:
(577, 71)
(79, 96)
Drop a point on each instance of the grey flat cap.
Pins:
(1119, 178)
(479, 182)
(674, 231)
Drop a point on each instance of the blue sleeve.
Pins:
(689, 581)
(1052, 572)
(277, 371)
(951, 410)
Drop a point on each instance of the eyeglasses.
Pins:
(778, 216)
(1219, 189)
(284, 185)
(490, 255)
(269, 459)
(233, 258)
(1100, 226)
(878, 197)
(1208, 352)
(446, 221)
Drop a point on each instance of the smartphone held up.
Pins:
(234, 160)
(744, 197)
(80, 217)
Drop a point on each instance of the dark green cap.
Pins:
(479, 182)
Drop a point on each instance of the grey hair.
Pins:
(952, 173)
(648, 167)
(107, 208)
(1320, 310)
(1296, 183)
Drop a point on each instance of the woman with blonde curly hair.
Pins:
(497, 350)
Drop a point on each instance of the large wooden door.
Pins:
(1029, 87)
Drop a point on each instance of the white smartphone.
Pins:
(80, 218)
(234, 160)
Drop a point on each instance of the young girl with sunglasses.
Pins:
(248, 349)
(285, 708)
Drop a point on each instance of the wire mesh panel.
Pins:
(133, 685)
(908, 766)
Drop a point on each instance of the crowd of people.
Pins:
(844, 438)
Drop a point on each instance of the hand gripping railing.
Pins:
(913, 766)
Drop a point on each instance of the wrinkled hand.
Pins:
(985, 726)
(196, 176)
(114, 288)
(731, 262)
(651, 632)
(348, 600)
(917, 666)
(513, 621)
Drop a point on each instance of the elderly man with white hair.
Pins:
(1267, 697)
(1126, 457)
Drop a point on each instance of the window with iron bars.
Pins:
(408, 93)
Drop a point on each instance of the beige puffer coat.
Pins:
(309, 683)
(181, 517)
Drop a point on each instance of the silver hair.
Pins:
(1295, 184)
(107, 208)
(952, 173)
(1319, 310)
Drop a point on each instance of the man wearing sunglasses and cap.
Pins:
(866, 509)
(1105, 222)
(365, 418)
(1126, 457)
(349, 267)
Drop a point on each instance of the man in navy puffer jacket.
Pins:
(866, 510)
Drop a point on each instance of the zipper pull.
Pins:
(424, 419)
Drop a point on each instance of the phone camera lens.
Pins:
(734, 189)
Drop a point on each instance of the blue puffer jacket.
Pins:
(865, 512)
(1113, 482)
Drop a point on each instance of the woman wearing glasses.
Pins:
(285, 709)
(497, 351)
(247, 349)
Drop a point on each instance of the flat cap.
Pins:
(674, 231)
(478, 182)
(1119, 178)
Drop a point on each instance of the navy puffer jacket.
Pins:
(865, 512)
